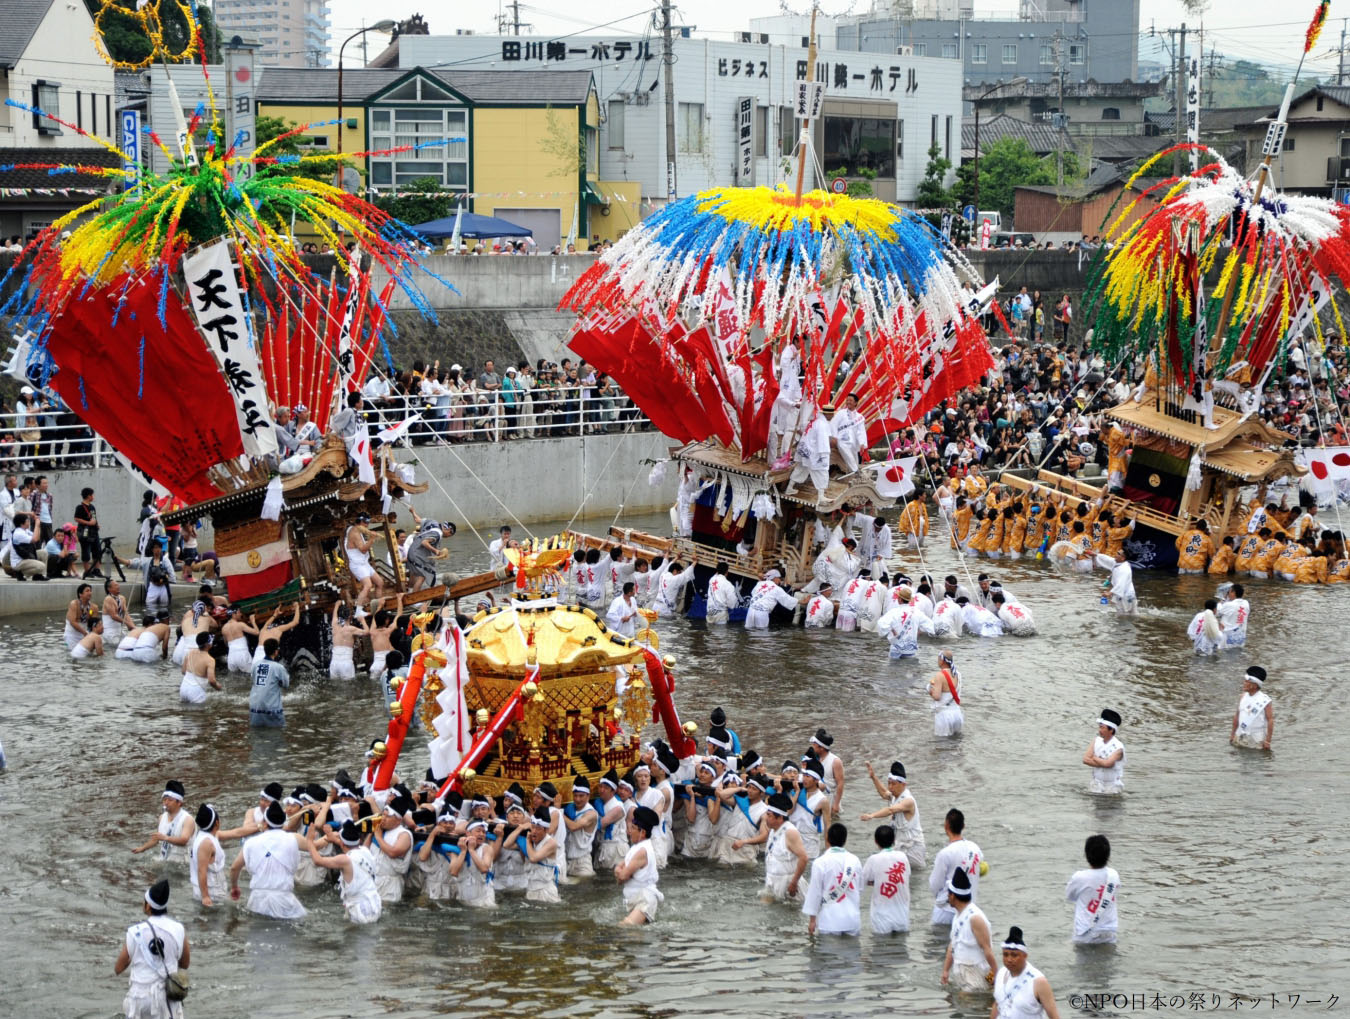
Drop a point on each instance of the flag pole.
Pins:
(803, 141)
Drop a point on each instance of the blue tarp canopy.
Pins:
(471, 225)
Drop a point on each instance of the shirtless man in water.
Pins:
(345, 630)
(380, 632)
(273, 629)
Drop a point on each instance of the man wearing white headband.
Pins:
(742, 819)
(175, 825)
(153, 948)
(206, 858)
(969, 963)
(784, 855)
(355, 865)
(831, 765)
(1020, 990)
(1254, 720)
(270, 857)
(472, 868)
(901, 811)
(1106, 756)
(391, 847)
(638, 872)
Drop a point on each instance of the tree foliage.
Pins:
(564, 143)
(1006, 164)
(125, 39)
(932, 193)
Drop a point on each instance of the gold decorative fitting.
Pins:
(690, 728)
(395, 709)
(467, 774)
(529, 689)
(481, 716)
(668, 661)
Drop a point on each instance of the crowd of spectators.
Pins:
(1042, 406)
(457, 404)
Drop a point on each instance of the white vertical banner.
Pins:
(810, 98)
(218, 306)
(346, 354)
(180, 129)
(1193, 108)
(745, 141)
(241, 115)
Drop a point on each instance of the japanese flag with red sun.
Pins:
(895, 478)
(1328, 464)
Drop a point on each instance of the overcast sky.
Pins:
(1252, 29)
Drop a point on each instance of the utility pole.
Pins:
(1340, 61)
(1061, 120)
(513, 21)
(1179, 102)
(668, 73)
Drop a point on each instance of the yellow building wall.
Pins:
(353, 138)
(513, 167)
(624, 197)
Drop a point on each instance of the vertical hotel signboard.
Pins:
(745, 141)
(129, 123)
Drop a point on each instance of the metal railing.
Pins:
(487, 416)
(57, 440)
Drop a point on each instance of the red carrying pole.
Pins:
(663, 708)
(487, 738)
(407, 701)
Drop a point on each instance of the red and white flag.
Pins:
(895, 478)
(1326, 464)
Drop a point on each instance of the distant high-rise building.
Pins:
(1045, 40)
(289, 33)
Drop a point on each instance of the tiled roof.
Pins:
(20, 19)
(319, 85)
(1039, 135)
(13, 176)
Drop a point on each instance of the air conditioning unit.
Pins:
(1338, 169)
(642, 98)
(904, 51)
(744, 37)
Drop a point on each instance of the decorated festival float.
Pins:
(531, 691)
(176, 317)
(1194, 435)
(764, 330)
